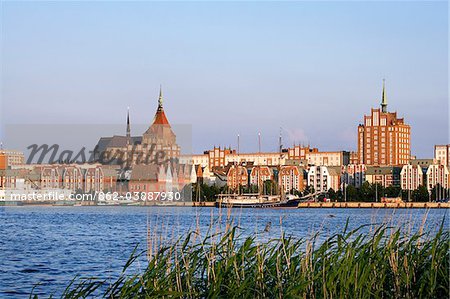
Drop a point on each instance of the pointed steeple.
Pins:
(160, 100)
(160, 117)
(128, 123)
(384, 99)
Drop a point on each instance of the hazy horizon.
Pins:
(312, 68)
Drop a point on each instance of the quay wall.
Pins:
(404, 205)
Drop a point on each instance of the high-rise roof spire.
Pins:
(384, 98)
(160, 100)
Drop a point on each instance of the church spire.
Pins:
(128, 123)
(160, 117)
(160, 100)
(384, 99)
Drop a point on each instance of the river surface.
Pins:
(46, 247)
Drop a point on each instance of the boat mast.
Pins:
(279, 168)
(259, 162)
(237, 168)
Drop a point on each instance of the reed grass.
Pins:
(382, 263)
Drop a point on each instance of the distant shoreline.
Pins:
(312, 205)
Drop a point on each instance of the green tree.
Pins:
(392, 191)
(420, 194)
(438, 192)
(340, 195)
(203, 192)
(367, 192)
(352, 193)
(332, 194)
(269, 187)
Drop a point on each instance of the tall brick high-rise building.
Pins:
(383, 138)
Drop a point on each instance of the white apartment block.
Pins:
(437, 174)
(291, 177)
(411, 177)
(322, 178)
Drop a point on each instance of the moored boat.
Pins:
(256, 201)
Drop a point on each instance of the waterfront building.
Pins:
(260, 174)
(75, 178)
(323, 178)
(423, 163)
(353, 159)
(298, 152)
(386, 176)
(217, 156)
(291, 178)
(237, 175)
(411, 177)
(51, 177)
(9, 158)
(147, 178)
(437, 174)
(72, 178)
(9, 179)
(301, 155)
(221, 157)
(353, 174)
(313, 156)
(383, 138)
(442, 153)
(3, 161)
(170, 177)
(330, 158)
(259, 158)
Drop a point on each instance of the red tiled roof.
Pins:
(160, 117)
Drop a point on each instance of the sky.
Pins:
(312, 69)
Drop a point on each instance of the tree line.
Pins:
(368, 192)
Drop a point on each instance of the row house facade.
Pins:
(289, 177)
(74, 177)
(9, 179)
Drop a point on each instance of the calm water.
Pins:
(51, 245)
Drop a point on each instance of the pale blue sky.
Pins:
(313, 68)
